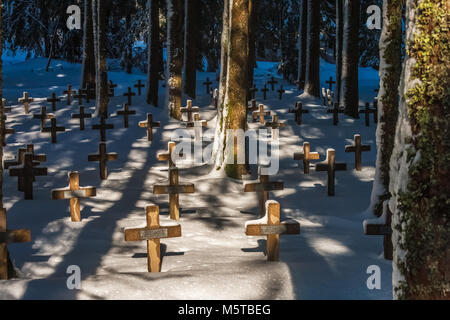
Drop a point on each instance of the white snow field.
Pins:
(213, 259)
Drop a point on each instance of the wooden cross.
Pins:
(174, 189)
(264, 91)
(335, 111)
(280, 92)
(261, 114)
(196, 122)
(306, 157)
(43, 116)
(168, 155)
(139, 86)
(112, 86)
(126, 112)
(80, 96)
(129, 94)
(275, 125)
(103, 126)
(25, 100)
(299, 111)
(149, 125)
(272, 228)
(273, 82)
(82, 115)
(208, 84)
(262, 188)
(358, 149)
(53, 100)
(367, 111)
(28, 172)
(330, 83)
(69, 92)
(102, 157)
(53, 129)
(330, 166)
(190, 110)
(9, 236)
(383, 230)
(5, 131)
(4, 107)
(85, 93)
(153, 233)
(74, 193)
(36, 157)
(253, 91)
(253, 106)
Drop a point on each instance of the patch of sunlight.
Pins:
(327, 246)
(61, 75)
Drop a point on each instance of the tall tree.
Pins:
(88, 64)
(312, 82)
(174, 56)
(190, 47)
(302, 41)
(154, 45)
(339, 43)
(350, 59)
(224, 55)
(252, 29)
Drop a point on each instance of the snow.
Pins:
(214, 259)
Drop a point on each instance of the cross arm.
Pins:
(285, 228)
(151, 234)
(65, 194)
(15, 236)
(179, 189)
(269, 186)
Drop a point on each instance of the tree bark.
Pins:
(312, 82)
(252, 29)
(154, 66)
(174, 56)
(190, 48)
(302, 41)
(350, 59)
(339, 43)
(224, 55)
(88, 67)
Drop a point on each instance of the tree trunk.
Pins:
(420, 166)
(224, 55)
(339, 43)
(302, 41)
(252, 29)
(88, 67)
(190, 47)
(129, 47)
(350, 59)
(312, 82)
(174, 56)
(154, 66)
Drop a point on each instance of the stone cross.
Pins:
(25, 100)
(102, 127)
(261, 114)
(82, 115)
(53, 100)
(9, 236)
(367, 111)
(174, 189)
(139, 86)
(43, 116)
(126, 112)
(74, 193)
(335, 111)
(273, 82)
(306, 156)
(190, 110)
(69, 92)
(262, 188)
(330, 166)
(280, 92)
(358, 149)
(153, 233)
(149, 125)
(330, 83)
(53, 129)
(102, 157)
(275, 125)
(208, 84)
(28, 171)
(383, 230)
(264, 91)
(129, 94)
(272, 227)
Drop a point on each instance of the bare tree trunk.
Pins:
(129, 47)
(252, 29)
(224, 54)
(174, 56)
(190, 47)
(312, 83)
(154, 66)
(88, 67)
(339, 42)
(350, 59)
(302, 41)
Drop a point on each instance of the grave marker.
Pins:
(43, 116)
(261, 114)
(264, 91)
(252, 92)
(126, 112)
(208, 84)
(53, 129)
(149, 125)
(272, 82)
(168, 155)
(69, 92)
(367, 111)
(330, 83)
(102, 127)
(281, 91)
(112, 86)
(330, 166)
(28, 172)
(139, 86)
(53, 100)
(129, 95)
(298, 112)
(358, 149)
(306, 156)
(335, 111)
(384, 230)
(82, 115)
(25, 100)
(275, 125)
(103, 157)
(190, 110)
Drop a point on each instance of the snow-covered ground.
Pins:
(214, 259)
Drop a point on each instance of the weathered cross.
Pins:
(174, 189)
(168, 156)
(129, 94)
(102, 127)
(264, 91)
(261, 114)
(208, 84)
(273, 82)
(80, 96)
(280, 92)
(4, 131)
(358, 149)
(252, 92)
(299, 111)
(53, 129)
(43, 116)
(82, 115)
(335, 111)
(53, 100)
(9, 236)
(112, 86)
(139, 86)
(190, 110)
(152, 233)
(25, 100)
(330, 166)
(330, 83)
(74, 193)
(102, 157)
(272, 227)
(367, 111)
(149, 125)
(383, 230)
(69, 92)
(28, 172)
(126, 112)
(306, 156)
(262, 188)
(197, 124)
(275, 125)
